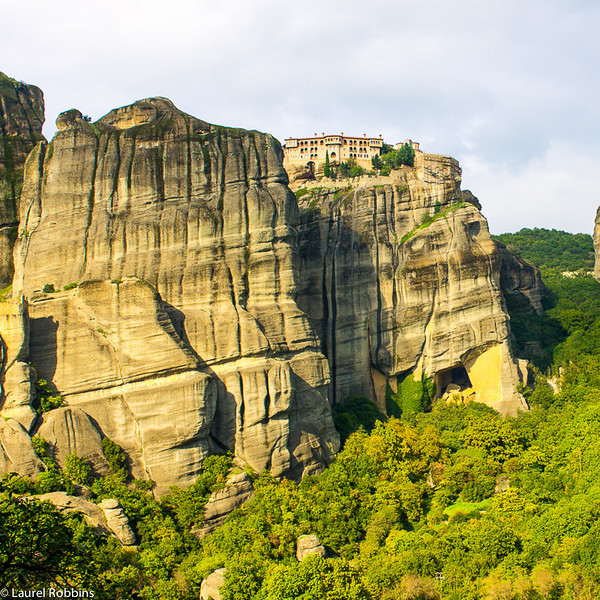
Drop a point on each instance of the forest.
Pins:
(437, 501)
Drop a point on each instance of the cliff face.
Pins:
(400, 276)
(182, 335)
(21, 120)
(181, 303)
(520, 282)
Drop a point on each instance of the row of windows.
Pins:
(334, 140)
(332, 155)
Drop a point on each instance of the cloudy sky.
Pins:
(509, 88)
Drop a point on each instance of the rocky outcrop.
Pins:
(92, 513)
(520, 282)
(238, 490)
(117, 521)
(211, 586)
(112, 352)
(21, 120)
(400, 276)
(307, 545)
(16, 376)
(177, 331)
(16, 450)
(182, 306)
(107, 517)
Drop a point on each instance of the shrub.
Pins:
(412, 396)
(355, 412)
(117, 461)
(77, 470)
(45, 399)
(40, 446)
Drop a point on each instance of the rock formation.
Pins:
(69, 430)
(238, 490)
(16, 376)
(177, 332)
(401, 277)
(16, 450)
(307, 545)
(21, 120)
(520, 282)
(168, 288)
(117, 521)
(211, 586)
(107, 517)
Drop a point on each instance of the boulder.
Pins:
(210, 588)
(117, 521)
(70, 430)
(502, 483)
(92, 513)
(307, 545)
(107, 517)
(238, 490)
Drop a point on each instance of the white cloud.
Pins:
(502, 84)
(559, 190)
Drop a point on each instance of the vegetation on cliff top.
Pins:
(552, 249)
(394, 159)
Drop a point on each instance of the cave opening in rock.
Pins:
(455, 379)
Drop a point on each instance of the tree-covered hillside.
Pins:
(552, 249)
(572, 302)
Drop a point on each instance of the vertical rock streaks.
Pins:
(184, 325)
(414, 284)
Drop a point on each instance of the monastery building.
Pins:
(309, 153)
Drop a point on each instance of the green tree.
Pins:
(77, 470)
(315, 578)
(376, 162)
(39, 545)
(356, 412)
(45, 398)
(327, 168)
(115, 457)
(406, 155)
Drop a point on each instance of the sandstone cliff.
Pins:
(177, 333)
(520, 282)
(401, 278)
(168, 287)
(21, 120)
